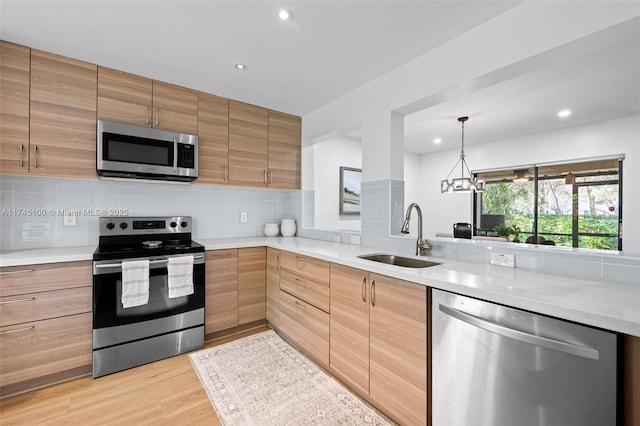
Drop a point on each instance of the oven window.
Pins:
(137, 150)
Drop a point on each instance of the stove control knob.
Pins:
(184, 224)
(173, 224)
(110, 225)
(123, 225)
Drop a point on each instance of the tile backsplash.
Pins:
(32, 208)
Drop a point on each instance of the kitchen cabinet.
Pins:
(284, 151)
(304, 294)
(62, 129)
(45, 324)
(235, 287)
(221, 305)
(213, 139)
(248, 145)
(252, 282)
(15, 70)
(137, 100)
(273, 287)
(378, 340)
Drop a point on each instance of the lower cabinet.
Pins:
(235, 287)
(379, 341)
(273, 287)
(45, 324)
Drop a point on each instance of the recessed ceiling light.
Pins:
(437, 140)
(284, 14)
(240, 66)
(564, 113)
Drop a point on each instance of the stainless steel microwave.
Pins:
(127, 151)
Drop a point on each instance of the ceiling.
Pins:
(333, 47)
(327, 50)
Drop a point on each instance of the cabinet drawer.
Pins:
(308, 267)
(41, 348)
(308, 290)
(15, 280)
(39, 306)
(306, 325)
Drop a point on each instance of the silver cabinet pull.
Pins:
(35, 156)
(147, 121)
(155, 113)
(556, 345)
(303, 282)
(270, 177)
(277, 261)
(300, 304)
(364, 289)
(373, 293)
(27, 299)
(226, 173)
(21, 271)
(265, 176)
(17, 330)
(21, 149)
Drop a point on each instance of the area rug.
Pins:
(262, 380)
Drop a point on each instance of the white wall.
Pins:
(328, 157)
(611, 137)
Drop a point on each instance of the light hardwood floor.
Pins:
(166, 392)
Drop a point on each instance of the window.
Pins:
(575, 204)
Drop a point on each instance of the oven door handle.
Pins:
(151, 262)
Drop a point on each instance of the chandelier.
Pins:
(462, 183)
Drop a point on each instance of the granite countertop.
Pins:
(608, 305)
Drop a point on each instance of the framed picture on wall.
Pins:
(350, 183)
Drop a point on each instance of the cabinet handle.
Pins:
(270, 176)
(17, 330)
(21, 149)
(303, 282)
(277, 261)
(364, 289)
(27, 299)
(301, 259)
(373, 293)
(155, 113)
(226, 173)
(222, 254)
(21, 271)
(265, 176)
(300, 304)
(35, 156)
(147, 121)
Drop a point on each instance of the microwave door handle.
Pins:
(175, 154)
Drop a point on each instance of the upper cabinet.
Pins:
(14, 107)
(62, 116)
(248, 145)
(213, 139)
(130, 98)
(284, 150)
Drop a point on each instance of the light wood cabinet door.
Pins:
(248, 145)
(284, 150)
(221, 306)
(18, 280)
(15, 68)
(39, 306)
(312, 292)
(175, 108)
(62, 116)
(124, 97)
(398, 349)
(213, 139)
(252, 279)
(349, 337)
(273, 286)
(305, 266)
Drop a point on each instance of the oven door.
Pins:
(113, 324)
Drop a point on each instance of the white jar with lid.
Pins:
(288, 227)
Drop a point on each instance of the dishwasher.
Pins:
(494, 365)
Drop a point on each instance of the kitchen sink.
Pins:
(391, 259)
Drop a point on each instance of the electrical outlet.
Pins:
(355, 239)
(503, 259)
(335, 238)
(69, 218)
(244, 217)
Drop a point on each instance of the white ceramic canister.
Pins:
(288, 227)
(271, 229)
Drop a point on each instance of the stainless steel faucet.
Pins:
(422, 246)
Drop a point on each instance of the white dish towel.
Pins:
(180, 270)
(135, 283)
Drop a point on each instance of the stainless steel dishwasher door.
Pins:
(494, 365)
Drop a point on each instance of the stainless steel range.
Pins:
(148, 292)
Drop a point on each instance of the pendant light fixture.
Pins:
(462, 184)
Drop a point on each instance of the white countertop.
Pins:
(608, 305)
